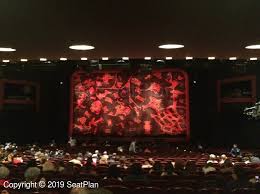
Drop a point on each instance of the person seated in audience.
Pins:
(67, 156)
(60, 166)
(17, 159)
(157, 169)
(240, 177)
(179, 166)
(9, 158)
(4, 191)
(103, 160)
(113, 173)
(246, 159)
(80, 156)
(253, 158)
(168, 170)
(222, 159)
(105, 155)
(235, 151)
(212, 159)
(227, 167)
(4, 173)
(113, 159)
(135, 173)
(254, 180)
(122, 163)
(49, 166)
(90, 167)
(147, 151)
(208, 168)
(190, 168)
(76, 162)
(147, 164)
(32, 173)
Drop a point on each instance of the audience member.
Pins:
(157, 169)
(168, 170)
(113, 173)
(235, 151)
(208, 168)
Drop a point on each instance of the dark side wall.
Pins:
(52, 120)
(207, 125)
(224, 128)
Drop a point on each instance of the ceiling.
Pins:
(134, 28)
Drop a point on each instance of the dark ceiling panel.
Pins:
(133, 28)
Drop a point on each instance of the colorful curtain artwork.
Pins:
(130, 104)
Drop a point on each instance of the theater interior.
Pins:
(129, 97)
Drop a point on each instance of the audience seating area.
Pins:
(183, 183)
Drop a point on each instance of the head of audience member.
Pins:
(103, 160)
(32, 174)
(208, 168)
(4, 172)
(80, 156)
(240, 173)
(4, 192)
(60, 166)
(190, 167)
(179, 166)
(212, 159)
(228, 164)
(157, 168)
(135, 169)
(168, 169)
(223, 158)
(147, 164)
(48, 166)
(114, 172)
(31, 163)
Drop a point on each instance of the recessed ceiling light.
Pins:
(81, 47)
(253, 59)
(105, 58)
(211, 58)
(23, 60)
(232, 58)
(171, 46)
(168, 58)
(3, 49)
(160, 61)
(63, 59)
(125, 58)
(83, 58)
(256, 46)
(43, 59)
(6, 61)
(189, 58)
(147, 58)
